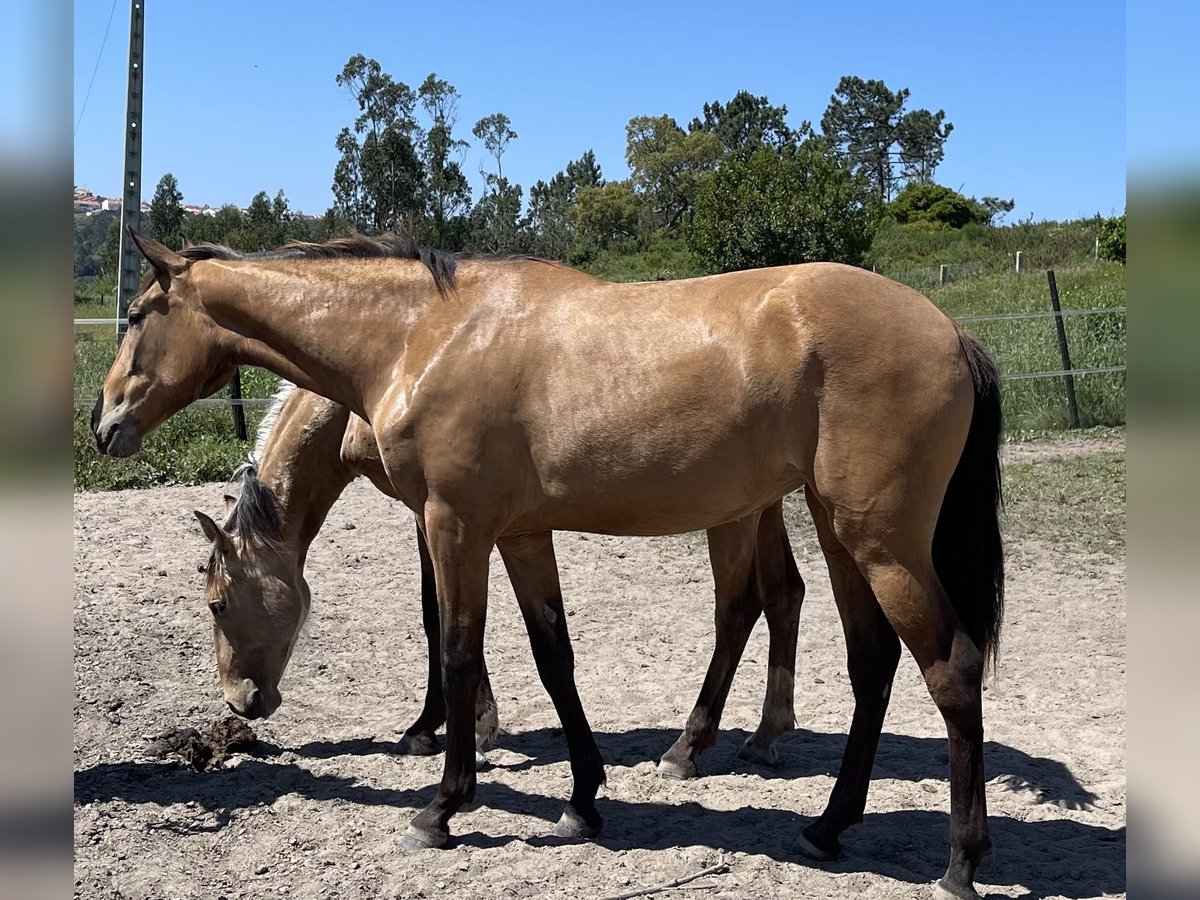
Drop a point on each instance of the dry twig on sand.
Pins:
(719, 869)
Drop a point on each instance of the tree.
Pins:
(610, 217)
(496, 133)
(91, 233)
(921, 136)
(199, 228)
(669, 165)
(264, 230)
(332, 225)
(496, 218)
(379, 177)
(867, 124)
(747, 123)
(110, 255)
(549, 226)
(801, 205)
(447, 193)
(993, 207)
(166, 213)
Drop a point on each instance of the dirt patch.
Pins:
(318, 813)
(1065, 445)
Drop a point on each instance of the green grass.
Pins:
(1031, 345)
(194, 446)
(1075, 503)
(914, 253)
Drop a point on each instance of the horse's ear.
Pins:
(213, 532)
(230, 503)
(187, 244)
(166, 262)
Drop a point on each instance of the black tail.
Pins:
(967, 553)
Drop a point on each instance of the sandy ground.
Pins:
(320, 812)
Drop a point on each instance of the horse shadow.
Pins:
(906, 845)
(802, 754)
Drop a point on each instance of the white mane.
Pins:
(268, 421)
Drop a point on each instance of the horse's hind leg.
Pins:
(872, 652)
(731, 550)
(782, 591)
(533, 571)
(420, 738)
(902, 576)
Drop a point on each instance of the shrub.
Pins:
(1112, 239)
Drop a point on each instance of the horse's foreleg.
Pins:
(420, 738)
(533, 571)
(731, 551)
(872, 652)
(782, 597)
(460, 564)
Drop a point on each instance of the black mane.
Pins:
(255, 516)
(440, 263)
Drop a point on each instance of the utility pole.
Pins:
(131, 204)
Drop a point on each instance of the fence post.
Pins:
(1096, 250)
(942, 274)
(239, 411)
(1018, 262)
(1072, 407)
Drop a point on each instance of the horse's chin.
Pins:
(118, 437)
(123, 444)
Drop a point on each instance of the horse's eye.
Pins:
(135, 317)
(217, 606)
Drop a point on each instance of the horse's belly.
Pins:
(669, 498)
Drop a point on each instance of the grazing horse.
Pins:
(510, 398)
(259, 599)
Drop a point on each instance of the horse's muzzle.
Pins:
(115, 435)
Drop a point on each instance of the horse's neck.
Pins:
(304, 468)
(316, 324)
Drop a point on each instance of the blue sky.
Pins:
(240, 97)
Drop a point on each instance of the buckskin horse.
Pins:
(510, 398)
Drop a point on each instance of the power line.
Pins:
(95, 69)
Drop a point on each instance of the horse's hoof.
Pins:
(423, 839)
(941, 891)
(573, 825)
(676, 771)
(752, 752)
(481, 761)
(419, 744)
(809, 848)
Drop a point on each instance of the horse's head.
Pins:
(258, 599)
(172, 354)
